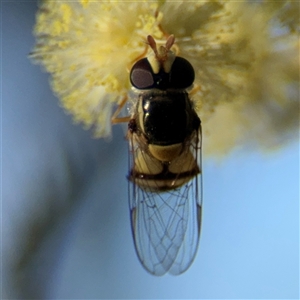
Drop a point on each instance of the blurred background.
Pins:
(65, 219)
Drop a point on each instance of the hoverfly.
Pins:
(164, 133)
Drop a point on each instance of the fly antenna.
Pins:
(152, 44)
(170, 41)
(162, 52)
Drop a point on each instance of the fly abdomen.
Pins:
(156, 176)
(163, 181)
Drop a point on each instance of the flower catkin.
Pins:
(245, 54)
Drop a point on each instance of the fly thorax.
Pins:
(165, 118)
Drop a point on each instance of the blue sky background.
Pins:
(65, 219)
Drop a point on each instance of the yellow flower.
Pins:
(246, 57)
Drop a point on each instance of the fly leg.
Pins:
(115, 119)
(143, 54)
(194, 90)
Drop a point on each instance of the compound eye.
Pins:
(182, 74)
(141, 75)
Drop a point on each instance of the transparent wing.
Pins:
(166, 224)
